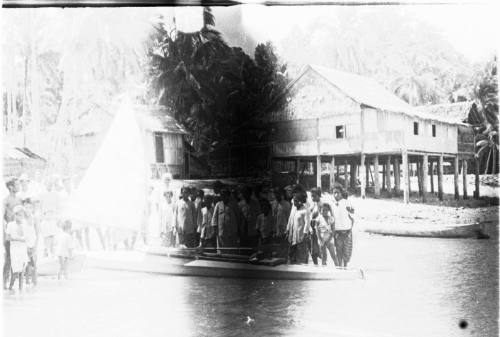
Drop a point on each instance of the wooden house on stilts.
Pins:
(341, 122)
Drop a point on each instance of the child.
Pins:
(264, 224)
(325, 228)
(64, 249)
(16, 234)
(343, 215)
(32, 233)
(206, 230)
(167, 219)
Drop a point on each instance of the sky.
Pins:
(469, 28)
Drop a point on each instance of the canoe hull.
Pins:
(157, 264)
(434, 231)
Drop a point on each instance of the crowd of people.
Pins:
(31, 221)
(225, 217)
(255, 217)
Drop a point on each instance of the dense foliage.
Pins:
(211, 88)
(487, 129)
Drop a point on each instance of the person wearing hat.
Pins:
(16, 234)
(343, 217)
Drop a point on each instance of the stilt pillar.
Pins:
(297, 168)
(440, 178)
(455, 177)
(388, 174)
(318, 171)
(464, 178)
(353, 170)
(346, 175)
(431, 172)
(425, 173)
(376, 173)
(397, 176)
(332, 173)
(363, 176)
(476, 178)
(406, 187)
(419, 176)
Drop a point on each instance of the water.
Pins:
(413, 287)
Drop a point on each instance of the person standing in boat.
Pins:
(9, 203)
(166, 215)
(185, 220)
(226, 220)
(16, 234)
(206, 230)
(325, 227)
(265, 224)
(314, 210)
(298, 228)
(343, 216)
(249, 209)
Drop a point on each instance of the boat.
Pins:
(449, 231)
(213, 266)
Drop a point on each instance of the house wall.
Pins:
(173, 152)
(307, 125)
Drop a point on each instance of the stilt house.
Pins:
(345, 123)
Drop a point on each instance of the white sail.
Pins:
(113, 190)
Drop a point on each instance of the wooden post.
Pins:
(332, 173)
(362, 176)
(409, 175)
(353, 169)
(431, 172)
(338, 171)
(476, 173)
(464, 178)
(425, 165)
(388, 174)
(318, 171)
(419, 176)
(406, 180)
(346, 185)
(397, 175)
(367, 167)
(377, 178)
(440, 178)
(383, 177)
(455, 180)
(297, 166)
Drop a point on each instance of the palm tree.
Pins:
(487, 131)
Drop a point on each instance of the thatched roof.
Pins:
(151, 118)
(368, 92)
(455, 112)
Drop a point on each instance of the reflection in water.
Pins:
(413, 287)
